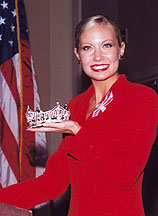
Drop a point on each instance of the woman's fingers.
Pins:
(43, 129)
(71, 127)
(54, 125)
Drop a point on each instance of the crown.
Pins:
(38, 117)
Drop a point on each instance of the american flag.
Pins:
(22, 153)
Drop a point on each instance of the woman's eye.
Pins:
(107, 45)
(86, 48)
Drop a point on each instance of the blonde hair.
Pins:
(98, 19)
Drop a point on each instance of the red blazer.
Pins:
(104, 161)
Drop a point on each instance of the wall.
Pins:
(38, 18)
(51, 26)
(140, 18)
(103, 7)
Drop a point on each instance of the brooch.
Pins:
(102, 106)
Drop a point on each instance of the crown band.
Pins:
(38, 117)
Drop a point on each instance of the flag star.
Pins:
(11, 43)
(2, 20)
(12, 28)
(14, 13)
(4, 5)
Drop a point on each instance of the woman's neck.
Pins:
(101, 88)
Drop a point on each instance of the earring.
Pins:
(120, 57)
(79, 61)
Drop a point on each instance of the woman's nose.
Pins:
(97, 55)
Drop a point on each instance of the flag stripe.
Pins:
(7, 177)
(8, 107)
(28, 98)
(9, 73)
(15, 60)
(9, 147)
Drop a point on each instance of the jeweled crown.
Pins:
(38, 117)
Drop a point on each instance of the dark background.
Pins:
(138, 19)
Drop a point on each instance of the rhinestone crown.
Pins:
(38, 117)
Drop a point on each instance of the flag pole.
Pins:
(21, 92)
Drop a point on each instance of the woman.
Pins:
(111, 132)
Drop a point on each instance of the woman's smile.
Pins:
(99, 67)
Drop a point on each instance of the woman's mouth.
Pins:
(99, 67)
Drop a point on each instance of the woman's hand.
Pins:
(71, 127)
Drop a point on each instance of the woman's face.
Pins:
(99, 52)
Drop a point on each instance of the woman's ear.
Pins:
(122, 48)
(76, 54)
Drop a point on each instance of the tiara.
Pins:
(38, 117)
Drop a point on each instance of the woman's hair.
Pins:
(98, 19)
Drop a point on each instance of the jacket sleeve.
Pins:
(118, 145)
(50, 185)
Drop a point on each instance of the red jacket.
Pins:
(104, 162)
